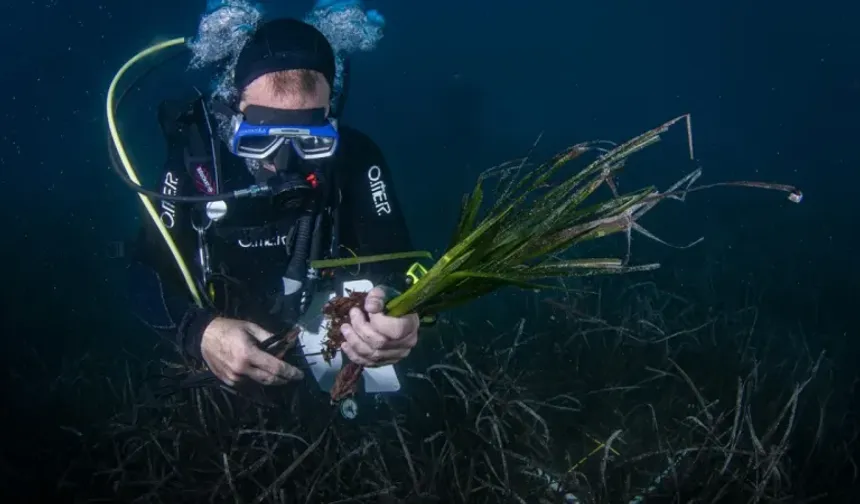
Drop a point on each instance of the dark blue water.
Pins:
(453, 88)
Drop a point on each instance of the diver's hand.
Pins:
(230, 349)
(378, 340)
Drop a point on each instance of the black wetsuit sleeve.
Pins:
(159, 294)
(372, 220)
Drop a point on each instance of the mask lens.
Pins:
(313, 146)
(258, 147)
(263, 141)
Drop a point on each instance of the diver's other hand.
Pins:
(230, 349)
(377, 339)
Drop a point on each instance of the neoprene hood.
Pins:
(284, 44)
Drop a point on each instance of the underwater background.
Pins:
(452, 89)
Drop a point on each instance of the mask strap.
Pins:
(219, 107)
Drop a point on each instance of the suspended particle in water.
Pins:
(795, 196)
(349, 408)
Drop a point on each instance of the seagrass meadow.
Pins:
(604, 388)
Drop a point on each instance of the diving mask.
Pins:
(259, 132)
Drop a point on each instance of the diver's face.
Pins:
(266, 91)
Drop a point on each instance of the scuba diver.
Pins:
(255, 191)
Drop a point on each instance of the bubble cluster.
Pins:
(348, 29)
(221, 34)
(347, 26)
(223, 31)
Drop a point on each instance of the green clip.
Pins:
(415, 273)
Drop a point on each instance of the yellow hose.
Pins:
(129, 169)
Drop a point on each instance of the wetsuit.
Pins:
(250, 249)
